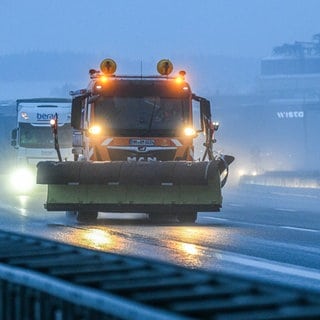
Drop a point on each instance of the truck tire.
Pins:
(71, 214)
(162, 217)
(187, 217)
(87, 216)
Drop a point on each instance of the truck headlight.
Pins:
(95, 130)
(189, 132)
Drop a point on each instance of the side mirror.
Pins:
(76, 112)
(205, 111)
(205, 108)
(197, 122)
(14, 134)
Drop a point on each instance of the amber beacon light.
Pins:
(164, 67)
(108, 66)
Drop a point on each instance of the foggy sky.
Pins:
(145, 29)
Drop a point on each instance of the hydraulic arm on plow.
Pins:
(133, 149)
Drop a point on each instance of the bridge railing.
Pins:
(42, 279)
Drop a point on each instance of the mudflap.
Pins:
(120, 186)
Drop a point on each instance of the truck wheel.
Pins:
(71, 214)
(87, 216)
(161, 217)
(187, 217)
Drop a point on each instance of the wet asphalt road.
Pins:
(269, 234)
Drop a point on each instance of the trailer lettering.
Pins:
(44, 116)
(290, 114)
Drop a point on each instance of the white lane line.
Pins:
(261, 225)
(214, 218)
(287, 269)
(285, 209)
(294, 195)
(241, 222)
(235, 205)
(299, 229)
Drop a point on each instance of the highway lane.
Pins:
(266, 234)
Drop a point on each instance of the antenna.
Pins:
(141, 69)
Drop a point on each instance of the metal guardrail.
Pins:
(41, 279)
(286, 179)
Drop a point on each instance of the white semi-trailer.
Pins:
(32, 138)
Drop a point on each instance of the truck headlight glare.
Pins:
(189, 132)
(22, 180)
(95, 130)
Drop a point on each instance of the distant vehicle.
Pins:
(32, 138)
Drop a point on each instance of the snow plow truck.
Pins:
(133, 146)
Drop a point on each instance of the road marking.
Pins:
(299, 229)
(285, 209)
(242, 222)
(287, 269)
(285, 194)
(235, 205)
(238, 222)
(261, 225)
(214, 218)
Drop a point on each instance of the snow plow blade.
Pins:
(120, 186)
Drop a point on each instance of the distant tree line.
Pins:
(300, 49)
(43, 66)
(208, 74)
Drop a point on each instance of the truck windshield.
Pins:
(143, 116)
(41, 137)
